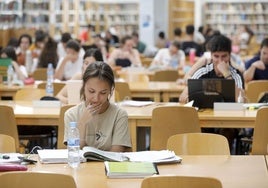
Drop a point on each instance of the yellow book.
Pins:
(130, 169)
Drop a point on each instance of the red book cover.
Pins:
(12, 167)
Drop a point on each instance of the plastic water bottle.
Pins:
(73, 145)
(10, 73)
(50, 78)
(192, 56)
(28, 61)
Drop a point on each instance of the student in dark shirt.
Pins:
(219, 67)
(189, 43)
(257, 67)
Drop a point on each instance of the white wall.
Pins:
(153, 18)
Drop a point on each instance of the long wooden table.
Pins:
(8, 91)
(232, 171)
(26, 114)
(159, 91)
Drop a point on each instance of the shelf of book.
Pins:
(227, 16)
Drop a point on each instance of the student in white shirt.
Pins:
(101, 124)
(70, 64)
(169, 58)
(20, 70)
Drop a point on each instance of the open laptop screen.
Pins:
(204, 92)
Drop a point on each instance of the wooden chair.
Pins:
(29, 94)
(198, 144)
(7, 144)
(166, 76)
(61, 127)
(34, 134)
(260, 134)
(146, 61)
(180, 182)
(56, 85)
(254, 89)
(8, 124)
(27, 179)
(171, 120)
(122, 91)
(40, 74)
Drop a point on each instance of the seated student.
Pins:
(126, 55)
(91, 55)
(169, 58)
(101, 124)
(20, 70)
(221, 68)
(257, 67)
(71, 63)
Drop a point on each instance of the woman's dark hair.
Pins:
(161, 35)
(93, 52)
(125, 38)
(10, 52)
(98, 70)
(49, 54)
(73, 44)
(25, 36)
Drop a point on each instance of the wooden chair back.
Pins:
(180, 182)
(8, 124)
(254, 89)
(56, 85)
(40, 74)
(61, 127)
(122, 91)
(28, 179)
(146, 61)
(171, 120)
(260, 134)
(166, 76)
(29, 94)
(198, 144)
(7, 144)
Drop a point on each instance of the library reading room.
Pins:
(138, 93)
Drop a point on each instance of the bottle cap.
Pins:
(72, 124)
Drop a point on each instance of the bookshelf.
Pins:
(181, 13)
(57, 16)
(227, 16)
(10, 14)
(122, 15)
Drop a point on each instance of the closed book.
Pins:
(4, 167)
(130, 169)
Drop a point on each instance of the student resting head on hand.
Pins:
(101, 124)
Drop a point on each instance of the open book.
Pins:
(92, 154)
(163, 156)
(130, 169)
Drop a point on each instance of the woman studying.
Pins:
(101, 124)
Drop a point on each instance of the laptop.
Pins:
(73, 91)
(204, 92)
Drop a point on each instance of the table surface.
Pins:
(233, 171)
(26, 114)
